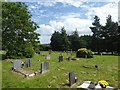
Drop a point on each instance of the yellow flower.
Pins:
(103, 83)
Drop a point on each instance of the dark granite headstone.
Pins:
(60, 58)
(72, 78)
(17, 64)
(44, 67)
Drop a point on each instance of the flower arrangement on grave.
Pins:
(84, 53)
(103, 83)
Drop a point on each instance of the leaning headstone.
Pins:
(44, 67)
(48, 57)
(17, 64)
(72, 78)
(28, 63)
(60, 58)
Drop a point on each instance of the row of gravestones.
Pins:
(17, 65)
(60, 58)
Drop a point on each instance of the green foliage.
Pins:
(75, 41)
(18, 30)
(107, 34)
(59, 41)
(84, 53)
(28, 51)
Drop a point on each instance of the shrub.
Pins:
(28, 51)
(83, 53)
(25, 51)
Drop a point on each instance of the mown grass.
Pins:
(58, 74)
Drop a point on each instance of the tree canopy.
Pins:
(18, 30)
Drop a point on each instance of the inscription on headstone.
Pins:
(44, 67)
(17, 64)
(72, 78)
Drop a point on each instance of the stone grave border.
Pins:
(25, 74)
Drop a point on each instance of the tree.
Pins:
(74, 40)
(87, 40)
(96, 39)
(59, 41)
(18, 30)
(64, 39)
(110, 33)
(56, 41)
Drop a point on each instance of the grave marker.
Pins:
(44, 67)
(72, 78)
(17, 64)
(69, 58)
(60, 58)
(48, 57)
(28, 63)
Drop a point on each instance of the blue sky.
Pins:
(51, 15)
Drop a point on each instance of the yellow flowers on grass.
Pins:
(103, 83)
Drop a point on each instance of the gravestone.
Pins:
(72, 78)
(48, 57)
(44, 67)
(17, 64)
(71, 52)
(28, 63)
(69, 58)
(60, 58)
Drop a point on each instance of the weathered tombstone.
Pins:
(44, 67)
(69, 58)
(60, 58)
(17, 64)
(28, 63)
(85, 56)
(71, 52)
(48, 57)
(72, 78)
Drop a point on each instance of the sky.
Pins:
(52, 15)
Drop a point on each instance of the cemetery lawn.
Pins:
(58, 74)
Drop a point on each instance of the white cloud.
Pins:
(103, 12)
(46, 29)
(119, 13)
(45, 39)
(70, 23)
